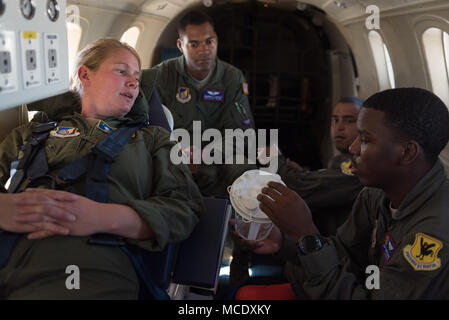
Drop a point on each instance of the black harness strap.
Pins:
(34, 161)
(97, 164)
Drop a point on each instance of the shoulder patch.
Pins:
(346, 167)
(245, 88)
(104, 126)
(65, 132)
(422, 255)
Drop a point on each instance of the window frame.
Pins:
(382, 60)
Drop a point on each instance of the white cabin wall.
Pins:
(398, 29)
(113, 23)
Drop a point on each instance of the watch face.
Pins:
(27, 7)
(310, 243)
(53, 10)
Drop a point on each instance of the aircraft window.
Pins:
(446, 51)
(130, 36)
(382, 60)
(74, 32)
(436, 49)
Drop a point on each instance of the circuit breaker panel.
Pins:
(33, 51)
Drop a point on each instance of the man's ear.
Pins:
(84, 74)
(410, 152)
(179, 44)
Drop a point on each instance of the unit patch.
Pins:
(245, 88)
(346, 167)
(183, 95)
(388, 247)
(65, 132)
(103, 126)
(213, 95)
(422, 255)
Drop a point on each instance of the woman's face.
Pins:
(112, 89)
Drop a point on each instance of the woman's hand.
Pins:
(88, 217)
(29, 212)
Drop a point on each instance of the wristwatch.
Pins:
(310, 243)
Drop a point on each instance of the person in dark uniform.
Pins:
(398, 224)
(330, 192)
(198, 86)
(152, 202)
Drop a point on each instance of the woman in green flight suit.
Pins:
(152, 202)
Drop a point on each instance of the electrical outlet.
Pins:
(5, 62)
(52, 64)
(52, 58)
(31, 59)
(8, 63)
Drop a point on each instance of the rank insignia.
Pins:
(65, 132)
(422, 255)
(183, 95)
(213, 95)
(388, 247)
(346, 167)
(245, 88)
(103, 126)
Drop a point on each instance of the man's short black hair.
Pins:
(358, 102)
(193, 17)
(415, 114)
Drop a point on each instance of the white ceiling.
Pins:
(170, 8)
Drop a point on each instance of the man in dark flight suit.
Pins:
(329, 192)
(200, 87)
(398, 224)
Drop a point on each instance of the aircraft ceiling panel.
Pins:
(389, 4)
(128, 5)
(162, 8)
(343, 9)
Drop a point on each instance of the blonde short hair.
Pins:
(93, 56)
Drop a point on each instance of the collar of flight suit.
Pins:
(216, 76)
(421, 192)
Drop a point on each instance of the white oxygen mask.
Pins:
(251, 222)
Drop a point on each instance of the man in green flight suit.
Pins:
(200, 87)
(330, 192)
(395, 243)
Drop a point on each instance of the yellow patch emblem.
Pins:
(423, 253)
(65, 132)
(346, 167)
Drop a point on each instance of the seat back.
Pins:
(157, 113)
(199, 257)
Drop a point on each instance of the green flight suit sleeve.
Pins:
(175, 203)
(235, 117)
(337, 271)
(9, 149)
(324, 188)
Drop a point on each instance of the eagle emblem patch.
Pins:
(346, 167)
(422, 255)
(65, 132)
